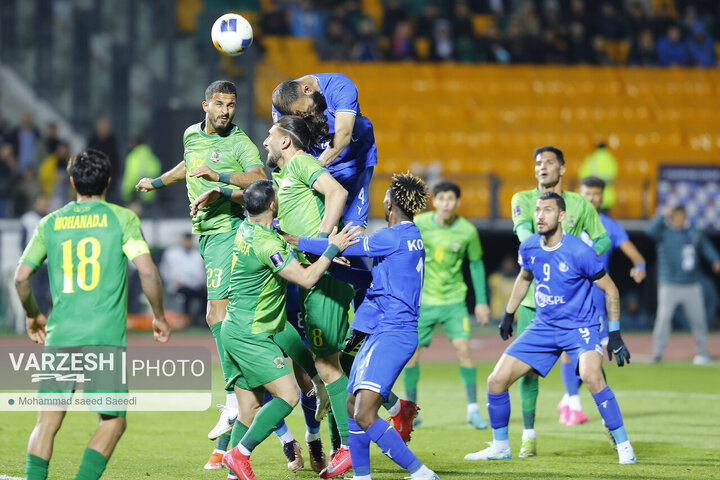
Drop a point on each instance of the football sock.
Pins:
(338, 393)
(411, 376)
(92, 466)
(528, 386)
(266, 420)
(238, 431)
(216, 330)
(390, 442)
(499, 413)
(392, 405)
(359, 444)
(284, 433)
(569, 378)
(574, 402)
(309, 404)
(610, 413)
(223, 441)
(528, 434)
(469, 376)
(36, 467)
(231, 399)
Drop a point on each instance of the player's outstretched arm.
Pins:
(152, 287)
(34, 319)
(520, 288)
(637, 273)
(615, 345)
(335, 198)
(239, 179)
(177, 174)
(344, 124)
(235, 195)
(306, 277)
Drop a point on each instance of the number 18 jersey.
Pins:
(87, 246)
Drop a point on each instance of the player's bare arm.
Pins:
(210, 196)
(612, 297)
(631, 252)
(239, 179)
(308, 276)
(520, 288)
(152, 287)
(34, 319)
(344, 124)
(335, 197)
(175, 175)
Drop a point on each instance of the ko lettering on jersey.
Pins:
(564, 276)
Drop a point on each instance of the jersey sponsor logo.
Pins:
(277, 259)
(80, 221)
(455, 247)
(543, 297)
(563, 267)
(415, 245)
(517, 211)
(571, 221)
(215, 156)
(279, 362)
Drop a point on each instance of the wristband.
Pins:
(157, 183)
(331, 252)
(224, 178)
(640, 266)
(614, 326)
(323, 235)
(226, 192)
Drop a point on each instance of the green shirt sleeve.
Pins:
(474, 251)
(247, 155)
(594, 228)
(273, 252)
(36, 251)
(133, 242)
(307, 169)
(477, 273)
(522, 216)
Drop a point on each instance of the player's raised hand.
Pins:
(161, 330)
(145, 185)
(638, 274)
(617, 347)
(204, 200)
(346, 237)
(205, 172)
(506, 329)
(36, 328)
(482, 313)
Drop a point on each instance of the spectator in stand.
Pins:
(24, 140)
(670, 49)
(425, 24)
(4, 131)
(501, 284)
(8, 171)
(700, 47)
(48, 144)
(365, 48)
(305, 20)
(663, 20)
(579, 49)
(403, 44)
(552, 48)
(40, 281)
(103, 140)
(183, 272)
(601, 163)
(679, 246)
(141, 162)
(609, 24)
(578, 13)
(25, 190)
(491, 48)
(335, 46)
(462, 26)
(275, 21)
(394, 14)
(442, 47)
(637, 20)
(599, 48)
(53, 176)
(642, 51)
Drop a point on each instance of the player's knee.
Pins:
(365, 418)
(48, 425)
(594, 381)
(291, 396)
(496, 383)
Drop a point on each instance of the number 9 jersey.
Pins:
(87, 246)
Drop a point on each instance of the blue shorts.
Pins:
(540, 345)
(380, 360)
(357, 204)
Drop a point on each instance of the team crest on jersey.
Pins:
(279, 362)
(517, 211)
(563, 267)
(455, 247)
(571, 221)
(215, 156)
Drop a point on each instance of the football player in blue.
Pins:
(388, 321)
(329, 104)
(592, 188)
(564, 269)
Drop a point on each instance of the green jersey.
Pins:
(445, 250)
(580, 216)
(257, 292)
(87, 246)
(230, 153)
(300, 208)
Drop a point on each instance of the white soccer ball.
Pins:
(232, 34)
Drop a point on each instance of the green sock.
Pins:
(469, 379)
(223, 441)
(36, 467)
(238, 431)
(216, 330)
(528, 394)
(411, 376)
(338, 399)
(334, 434)
(391, 400)
(92, 466)
(266, 420)
(291, 343)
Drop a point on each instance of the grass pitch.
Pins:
(670, 411)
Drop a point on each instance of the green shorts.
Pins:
(252, 359)
(326, 314)
(216, 250)
(453, 317)
(525, 317)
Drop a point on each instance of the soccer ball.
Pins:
(232, 34)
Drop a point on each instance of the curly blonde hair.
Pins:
(409, 192)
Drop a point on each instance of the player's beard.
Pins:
(272, 160)
(221, 129)
(550, 231)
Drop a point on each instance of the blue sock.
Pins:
(359, 443)
(499, 409)
(308, 403)
(610, 412)
(389, 441)
(569, 378)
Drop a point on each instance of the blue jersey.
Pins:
(398, 267)
(617, 235)
(564, 276)
(341, 96)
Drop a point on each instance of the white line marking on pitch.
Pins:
(5, 477)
